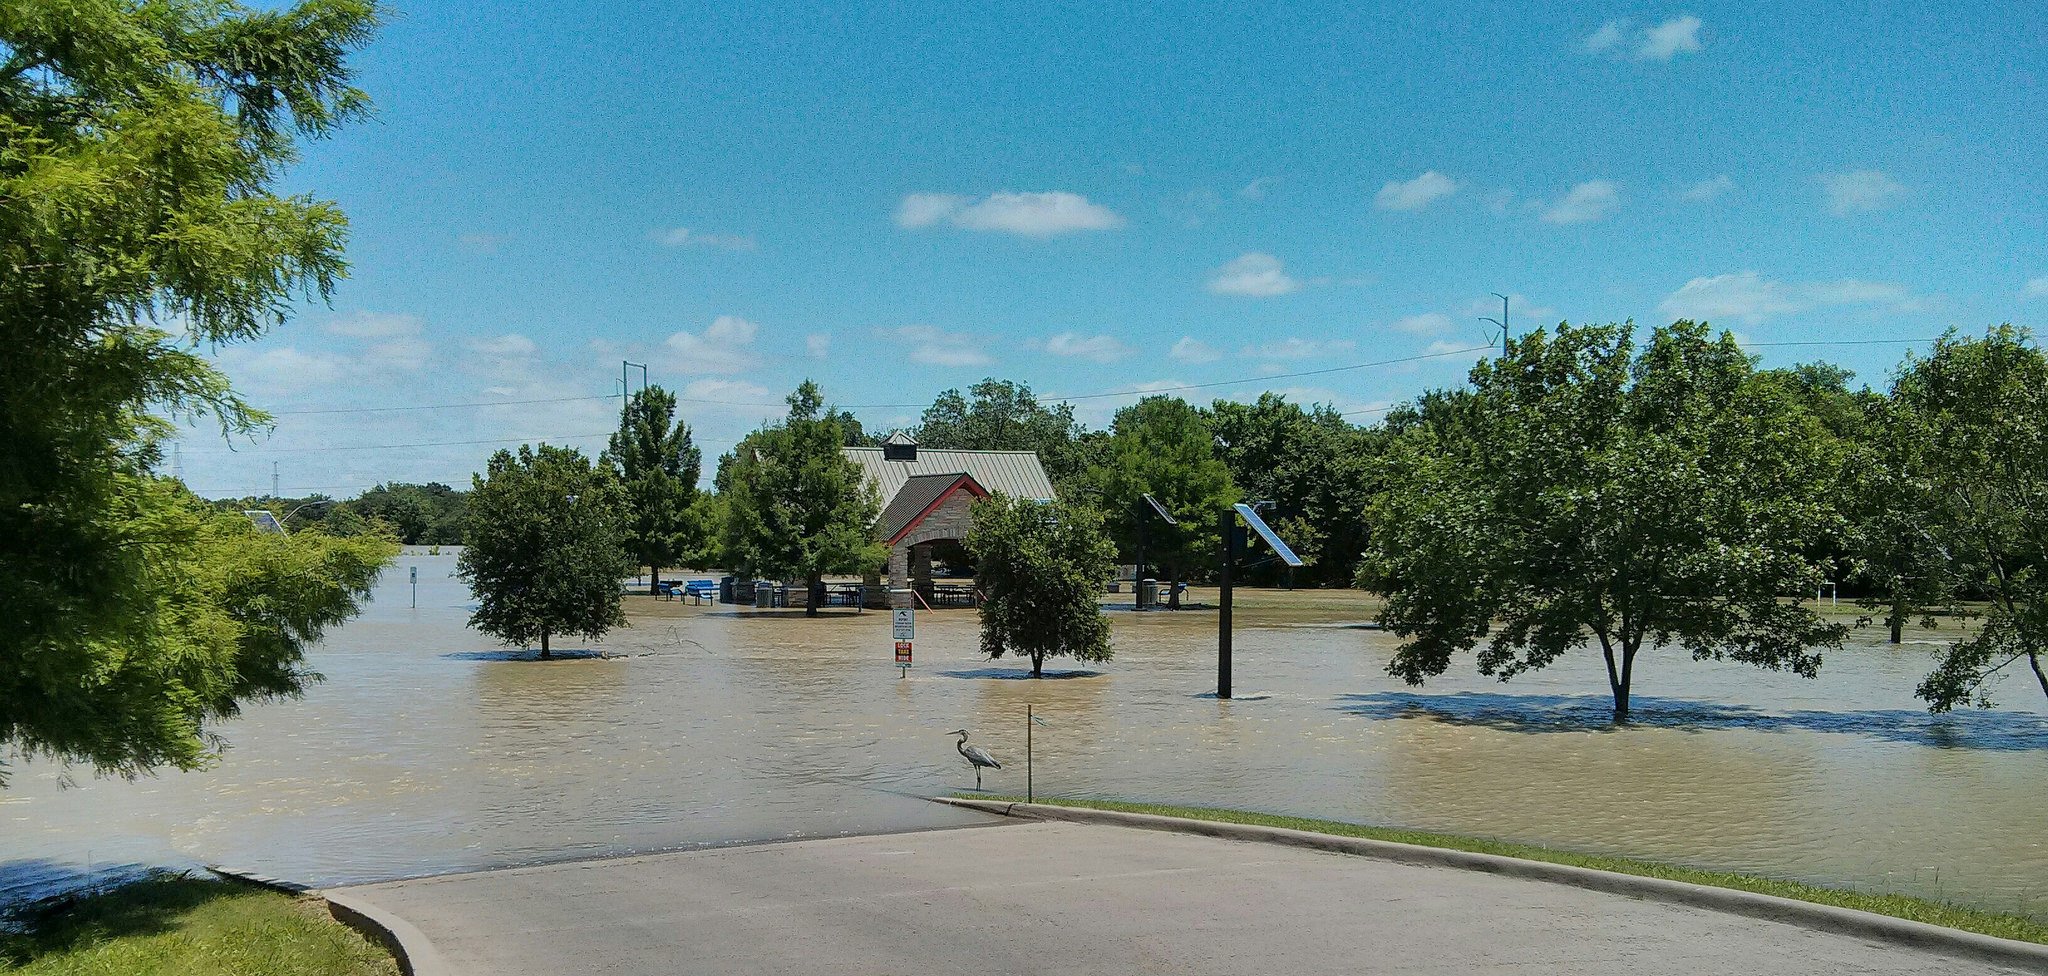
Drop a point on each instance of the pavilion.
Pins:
(927, 497)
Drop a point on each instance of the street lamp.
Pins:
(1502, 322)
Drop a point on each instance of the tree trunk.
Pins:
(1173, 589)
(814, 590)
(1038, 665)
(653, 579)
(2035, 660)
(1629, 646)
(1898, 617)
(544, 653)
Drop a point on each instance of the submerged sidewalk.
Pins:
(1074, 898)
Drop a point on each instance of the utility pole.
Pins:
(625, 387)
(1502, 322)
(273, 479)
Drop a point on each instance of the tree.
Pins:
(1040, 566)
(1163, 447)
(1898, 518)
(1004, 416)
(796, 507)
(140, 144)
(1582, 493)
(429, 514)
(1315, 468)
(546, 547)
(1977, 411)
(657, 464)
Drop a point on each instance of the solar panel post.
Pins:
(1229, 526)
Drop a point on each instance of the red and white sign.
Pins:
(903, 653)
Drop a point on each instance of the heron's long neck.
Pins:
(962, 744)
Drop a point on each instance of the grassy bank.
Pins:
(190, 927)
(1967, 919)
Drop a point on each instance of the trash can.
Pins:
(764, 594)
(1148, 593)
(725, 589)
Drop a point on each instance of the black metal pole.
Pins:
(1028, 722)
(1229, 525)
(1138, 575)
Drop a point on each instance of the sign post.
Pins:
(415, 587)
(1228, 526)
(903, 627)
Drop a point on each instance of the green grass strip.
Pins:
(181, 926)
(1949, 915)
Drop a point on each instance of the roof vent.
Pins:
(899, 447)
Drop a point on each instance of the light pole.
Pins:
(1502, 322)
(626, 390)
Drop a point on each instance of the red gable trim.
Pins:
(967, 482)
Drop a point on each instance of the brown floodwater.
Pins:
(429, 750)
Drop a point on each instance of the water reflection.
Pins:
(427, 750)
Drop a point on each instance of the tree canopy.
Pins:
(657, 465)
(1163, 447)
(1004, 416)
(546, 547)
(796, 507)
(1040, 567)
(1314, 466)
(1976, 481)
(1587, 492)
(140, 144)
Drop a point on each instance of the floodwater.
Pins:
(430, 750)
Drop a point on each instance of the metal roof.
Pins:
(1014, 473)
(920, 492)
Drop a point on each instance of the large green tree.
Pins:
(1040, 567)
(546, 547)
(1163, 447)
(1314, 467)
(1586, 493)
(796, 507)
(1976, 411)
(657, 464)
(1004, 416)
(140, 147)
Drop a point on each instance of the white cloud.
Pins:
(817, 345)
(1589, 201)
(1679, 35)
(511, 345)
(1100, 348)
(1299, 348)
(1860, 190)
(1705, 190)
(1255, 190)
(1027, 214)
(723, 347)
(1609, 36)
(685, 237)
(1428, 323)
(938, 347)
(373, 325)
(1192, 350)
(1415, 194)
(732, 392)
(400, 353)
(1751, 298)
(2037, 288)
(485, 243)
(1253, 275)
(1659, 42)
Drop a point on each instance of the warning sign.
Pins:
(903, 653)
(903, 623)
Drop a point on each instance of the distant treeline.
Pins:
(416, 515)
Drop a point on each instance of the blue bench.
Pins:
(701, 590)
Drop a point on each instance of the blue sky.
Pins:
(1095, 200)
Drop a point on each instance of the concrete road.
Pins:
(1061, 898)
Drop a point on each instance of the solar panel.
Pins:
(265, 521)
(1266, 532)
(1161, 509)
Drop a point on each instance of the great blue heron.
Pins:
(976, 756)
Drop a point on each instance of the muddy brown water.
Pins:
(429, 750)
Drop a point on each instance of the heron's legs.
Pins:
(977, 777)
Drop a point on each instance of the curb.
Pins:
(416, 956)
(1823, 918)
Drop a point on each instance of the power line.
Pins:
(395, 447)
(439, 406)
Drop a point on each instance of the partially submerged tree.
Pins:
(1978, 410)
(1040, 566)
(796, 507)
(140, 146)
(657, 464)
(1581, 494)
(545, 550)
(1163, 447)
